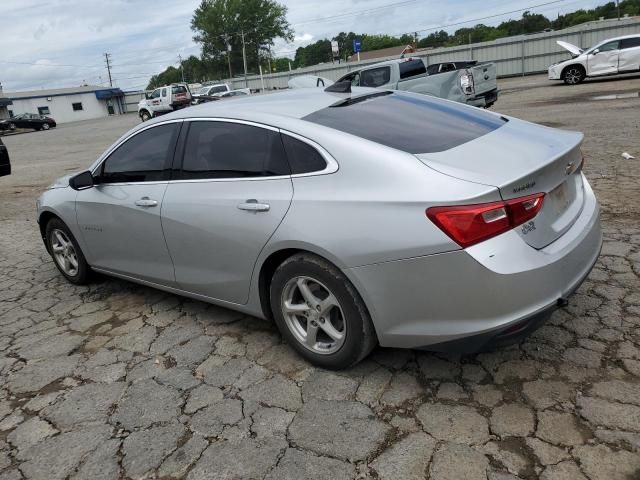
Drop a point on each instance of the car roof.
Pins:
(619, 38)
(277, 109)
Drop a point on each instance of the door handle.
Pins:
(252, 205)
(146, 202)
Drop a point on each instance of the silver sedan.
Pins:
(350, 218)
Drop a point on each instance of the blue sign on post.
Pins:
(357, 45)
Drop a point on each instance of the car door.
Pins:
(629, 56)
(234, 189)
(604, 59)
(119, 217)
(155, 99)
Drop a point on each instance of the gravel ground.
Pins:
(115, 380)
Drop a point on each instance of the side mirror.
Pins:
(596, 51)
(81, 181)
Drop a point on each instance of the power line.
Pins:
(352, 14)
(49, 64)
(442, 27)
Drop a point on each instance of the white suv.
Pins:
(164, 100)
(615, 55)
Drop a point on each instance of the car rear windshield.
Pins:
(411, 123)
(178, 89)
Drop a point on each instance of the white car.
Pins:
(615, 55)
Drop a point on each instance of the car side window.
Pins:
(303, 158)
(411, 68)
(155, 94)
(607, 47)
(164, 92)
(629, 43)
(375, 77)
(145, 157)
(232, 150)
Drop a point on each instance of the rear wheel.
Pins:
(573, 75)
(66, 252)
(319, 312)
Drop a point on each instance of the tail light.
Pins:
(466, 83)
(471, 224)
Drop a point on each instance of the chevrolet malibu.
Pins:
(350, 218)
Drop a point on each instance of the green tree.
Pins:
(219, 23)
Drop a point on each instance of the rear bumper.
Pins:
(485, 99)
(438, 301)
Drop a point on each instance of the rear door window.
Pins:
(629, 43)
(411, 68)
(232, 150)
(303, 158)
(411, 123)
(376, 77)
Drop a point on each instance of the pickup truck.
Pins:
(164, 100)
(208, 92)
(473, 84)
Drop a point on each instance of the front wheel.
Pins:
(144, 116)
(12, 126)
(573, 75)
(320, 313)
(66, 252)
(45, 126)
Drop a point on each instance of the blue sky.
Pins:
(60, 43)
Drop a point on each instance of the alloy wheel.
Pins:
(64, 252)
(313, 315)
(573, 76)
(45, 126)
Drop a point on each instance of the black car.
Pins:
(28, 120)
(5, 165)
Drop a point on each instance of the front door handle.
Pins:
(146, 202)
(252, 205)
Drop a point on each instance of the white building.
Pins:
(4, 103)
(69, 104)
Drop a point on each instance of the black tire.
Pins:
(145, 116)
(360, 337)
(12, 126)
(573, 75)
(83, 274)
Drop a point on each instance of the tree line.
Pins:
(221, 25)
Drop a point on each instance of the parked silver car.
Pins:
(350, 219)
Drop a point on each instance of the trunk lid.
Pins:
(575, 51)
(521, 159)
(484, 77)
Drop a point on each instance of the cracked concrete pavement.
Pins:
(116, 380)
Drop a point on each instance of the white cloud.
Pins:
(145, 36)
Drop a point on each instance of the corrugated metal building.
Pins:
(69, 104)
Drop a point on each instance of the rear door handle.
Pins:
(146, 202)
(253, 206)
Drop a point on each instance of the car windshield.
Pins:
(203, 91)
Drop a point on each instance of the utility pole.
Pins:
(107, 57)
(181, 67)
(227, 39)
(618, 7)
(244, 60)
